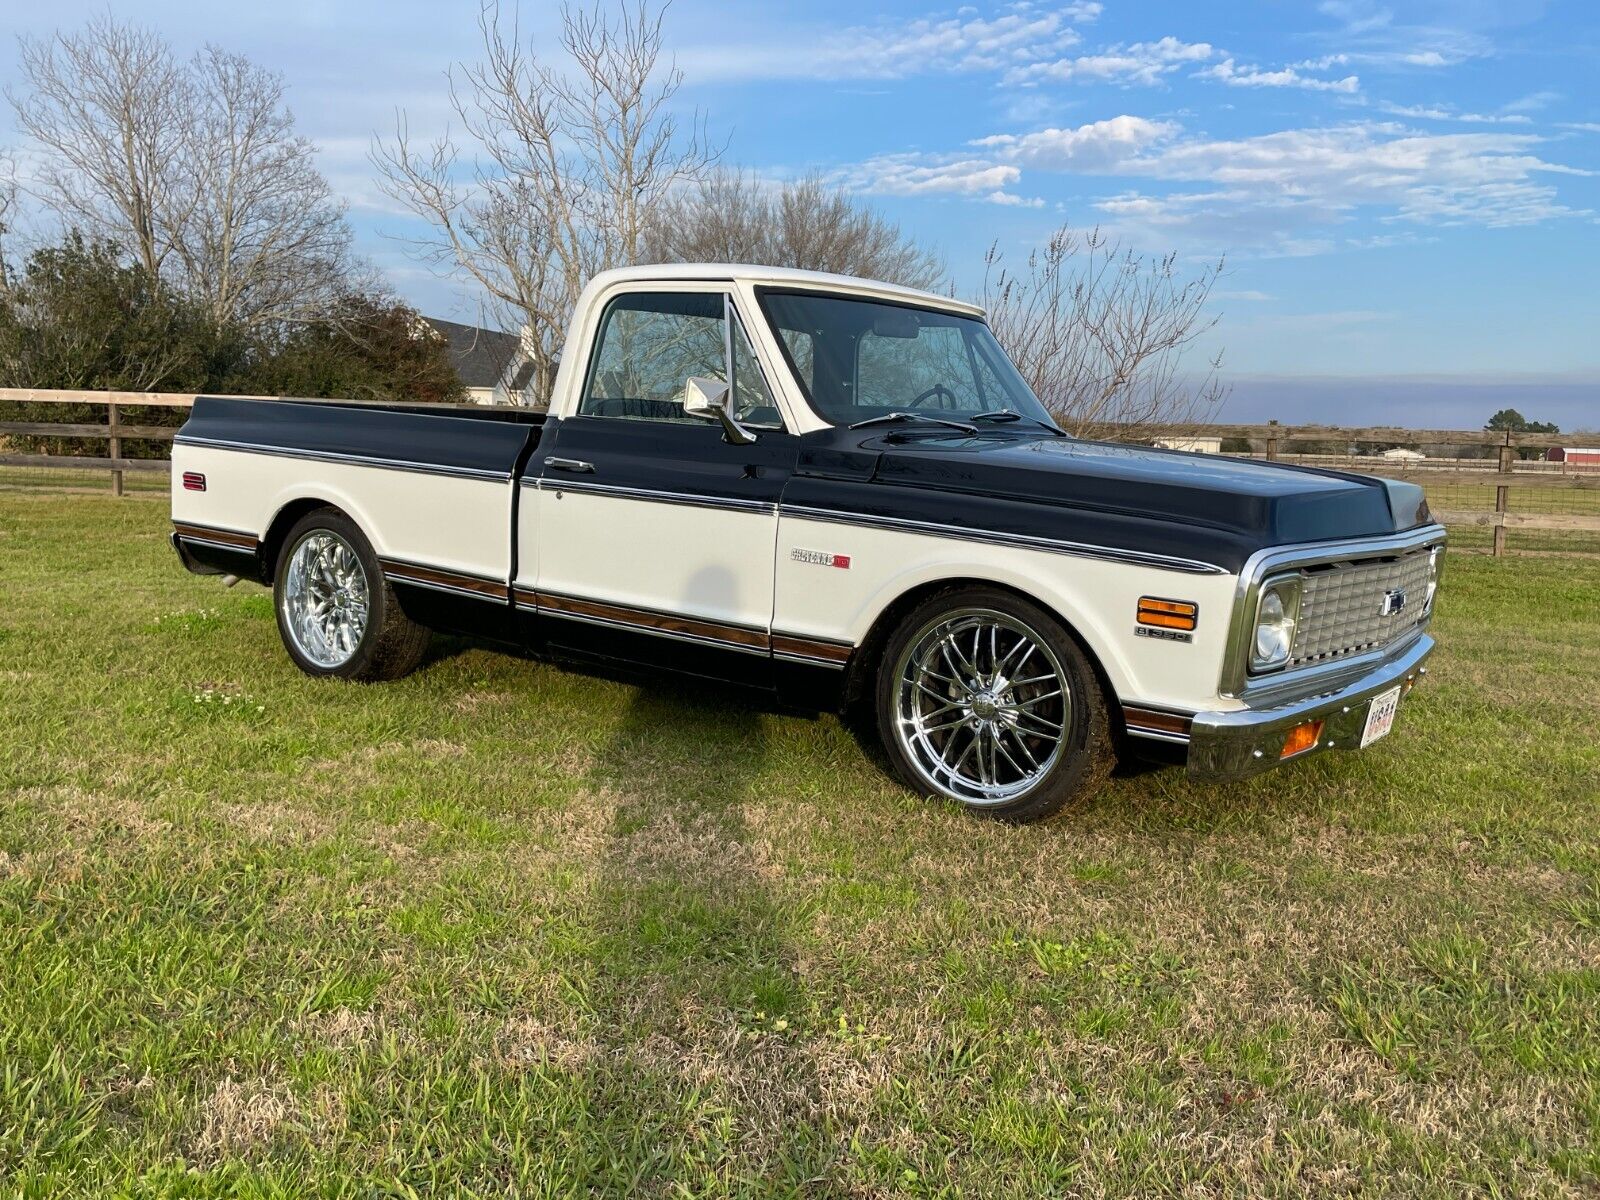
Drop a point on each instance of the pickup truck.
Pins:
(844, 493)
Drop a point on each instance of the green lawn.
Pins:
(504, 929)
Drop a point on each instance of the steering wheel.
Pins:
(937, 389)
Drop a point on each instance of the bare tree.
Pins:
(108, 107)
(732, 216)
(564, 165)
(1100, 332)
(8, 208)
(264, 237)
(195, 169)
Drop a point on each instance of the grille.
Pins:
(1341, 607)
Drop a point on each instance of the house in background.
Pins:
(491, 364)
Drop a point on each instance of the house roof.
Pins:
(483, 358)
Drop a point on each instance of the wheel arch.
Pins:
(868, 656)
(271, 547)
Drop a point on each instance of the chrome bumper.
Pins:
(1236, 745)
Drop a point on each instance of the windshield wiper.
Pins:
(892, 418)
(1006, 414)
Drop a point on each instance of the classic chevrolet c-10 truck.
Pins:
(844, 493)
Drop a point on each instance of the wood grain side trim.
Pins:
(217, 537)
(714, 633)
(436, 577)
(657, 622)
(786, 645)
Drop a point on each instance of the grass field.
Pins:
(502, 929)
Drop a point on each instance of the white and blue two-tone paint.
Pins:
(842, 492)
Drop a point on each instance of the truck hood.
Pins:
(1160, 502)
(1273, 502)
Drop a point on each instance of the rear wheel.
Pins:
(983, 698)
(337, 614)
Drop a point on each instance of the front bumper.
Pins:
(1236, 745)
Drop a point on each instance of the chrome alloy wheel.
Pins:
(325, 598)
(982, 706)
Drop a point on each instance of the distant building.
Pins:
(1195, 445)
(1574, 456)
(1405, 455)
(491, 364)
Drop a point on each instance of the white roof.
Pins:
(783, 277)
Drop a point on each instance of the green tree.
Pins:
(1512, 421)
(368, 347)
(82, 315)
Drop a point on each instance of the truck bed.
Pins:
(468, 441)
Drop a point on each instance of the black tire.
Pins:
(920, 748)
(391, 644)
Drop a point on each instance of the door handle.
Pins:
(576, 465)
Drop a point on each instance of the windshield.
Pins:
(859, 359)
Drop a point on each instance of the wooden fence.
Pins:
(1521, 487)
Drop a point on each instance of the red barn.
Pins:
(1574, 456)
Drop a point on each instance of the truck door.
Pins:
(656, 536)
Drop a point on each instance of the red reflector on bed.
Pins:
(193, 481)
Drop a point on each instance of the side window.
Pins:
(891, 372)
(651, 342)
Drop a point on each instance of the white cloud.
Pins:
(908, 175)
(1235, 76)
(1582, 126)
(1320, 64)
(1284, 193)
(1532, 102)
(1369, 33)
(1246, 295)
(1013, 201)
(1440, 112)
(1097, 146)
(1143, 63)
(1021, 34)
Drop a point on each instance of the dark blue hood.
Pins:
(1215, 509)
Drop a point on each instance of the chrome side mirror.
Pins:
(710, 400)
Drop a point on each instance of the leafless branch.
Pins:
(193, 168)
(1101, 332)
(563, 167)
(732, 216)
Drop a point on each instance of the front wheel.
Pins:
(337, 614)
(983, 698)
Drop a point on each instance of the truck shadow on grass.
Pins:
(694, 985)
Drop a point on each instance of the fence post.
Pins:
(1502, 496)
(1272, 443)
(114, 444)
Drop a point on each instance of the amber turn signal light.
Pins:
(1301, 738)
(1168, 614)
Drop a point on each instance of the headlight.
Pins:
(1276, 613)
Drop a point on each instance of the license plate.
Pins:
(1380, 717)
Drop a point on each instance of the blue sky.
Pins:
(1406, 192)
